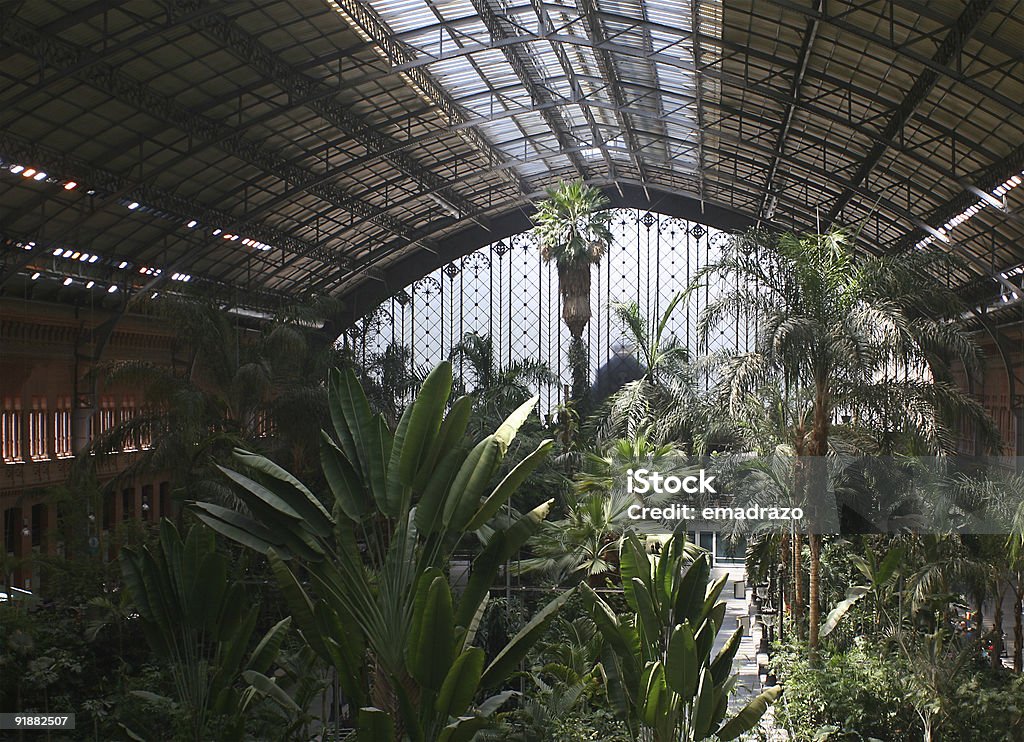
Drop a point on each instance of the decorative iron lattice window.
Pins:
(505, 291)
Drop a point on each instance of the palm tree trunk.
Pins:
(997, 630)
(798, 584)
(816, 490)
(1018, 633)
(814, 587)
(574, 286)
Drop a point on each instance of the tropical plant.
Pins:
(573, 230)
(661, 674)
(225, 388)
(197, 619)
(585, 542)
(496, 388)
(873, 336)
(664, 403)
(382, 611)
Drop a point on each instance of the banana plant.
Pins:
(661, 675)
(378, 605)
(198, 620)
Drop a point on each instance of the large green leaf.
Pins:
(681, 664)
(704, 705)
(237, 527)
(399, 494)
(253, 492)
(271, 689)
(499, 549)
(645, 609)
(633, 563)
(507, 431)
(461, 683)
(430, 508)
(348, 489)
(374, 725)
(853, 594)
(690, 590)
(512, 653)
(294, 492)
(265, 653)
(431, 648)
(462, 729)
(424, 421)
(749, 715)
(722, 664)
(654, 700)
(499, 496)
(451, 434)
(469, 483)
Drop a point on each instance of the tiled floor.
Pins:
(746, 661)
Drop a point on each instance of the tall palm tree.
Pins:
(572, 226)
(873, 336)
(573, 229)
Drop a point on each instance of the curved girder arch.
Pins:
(370, 293)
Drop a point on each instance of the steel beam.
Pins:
(61, 54)
(948, 51)
(318, 97)
(986, 180)
(606, 64)
(531, 80)
(806, 49)
(174, 205)
(364, 20)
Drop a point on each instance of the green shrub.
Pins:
(858, 694)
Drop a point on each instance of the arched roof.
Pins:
(269, 149)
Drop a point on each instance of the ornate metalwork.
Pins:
(507, 292)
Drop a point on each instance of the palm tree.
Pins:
(573, 230)
(586, 541)
(872, 336)
(495, 387)
(226, 387)
(665, 403)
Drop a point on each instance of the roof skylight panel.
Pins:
(404, 15)
(629, 8)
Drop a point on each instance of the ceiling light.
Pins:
(112, 289)
(216, 232)
(35, 276)
(76, 255)
(39, 176)
(90, 284)
(70, 185)
(67, 281)
(124, 264)
(28, 173)
(58, 252)
(192, 224)
(85, 256)
(17, 168)
(133, 205)
(93, 258)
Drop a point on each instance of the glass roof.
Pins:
(348, 144)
